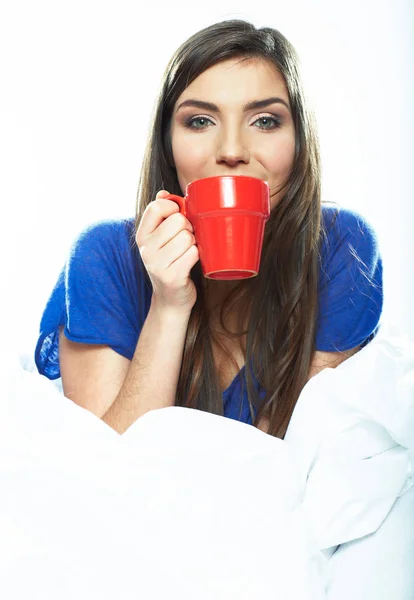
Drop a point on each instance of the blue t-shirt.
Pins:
(103, 297)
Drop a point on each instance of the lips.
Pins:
(236, 175)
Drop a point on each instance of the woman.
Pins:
(132, 325)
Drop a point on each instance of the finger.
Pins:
(169, 228)
(185, 262)
(155, 213)
(175, 248)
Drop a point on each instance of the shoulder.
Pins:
(107, 234)
(103, 255)
(101, 296)
(348, 238)
(350, 282)
(341, 225)
(104, 246)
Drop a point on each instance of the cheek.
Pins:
(187, 155)
(189, 159)
(280, 158)
(279, 165)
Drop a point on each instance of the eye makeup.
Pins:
(269, 122)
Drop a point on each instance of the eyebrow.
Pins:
(250, 106)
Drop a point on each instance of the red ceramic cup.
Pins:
(228, 214)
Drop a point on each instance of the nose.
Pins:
(232, 149)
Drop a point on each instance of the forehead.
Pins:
(235, 78)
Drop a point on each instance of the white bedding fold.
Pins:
(352, 436)
(191, 505)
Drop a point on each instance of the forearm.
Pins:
(152, 379)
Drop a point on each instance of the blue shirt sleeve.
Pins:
(350, 283)
(102, 295)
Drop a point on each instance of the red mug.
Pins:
(228, 214)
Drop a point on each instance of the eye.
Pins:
(198, 122)
(268, 122)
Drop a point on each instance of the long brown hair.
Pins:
(282, 299)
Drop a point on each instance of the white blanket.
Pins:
(190, 505)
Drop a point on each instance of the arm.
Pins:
(117, 390)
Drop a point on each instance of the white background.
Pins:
(78, 83)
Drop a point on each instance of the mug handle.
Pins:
(180, 201)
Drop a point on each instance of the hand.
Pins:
(166, 242)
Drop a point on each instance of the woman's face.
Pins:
(234, 119)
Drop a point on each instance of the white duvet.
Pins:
(193, 506)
